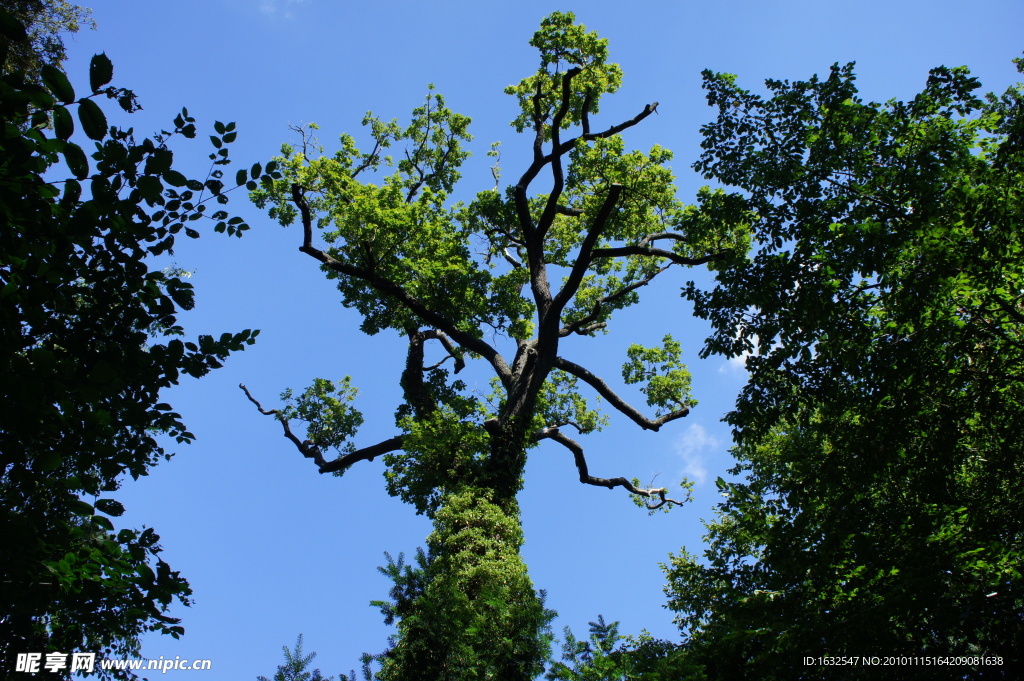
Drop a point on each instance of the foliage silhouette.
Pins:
(88, 339)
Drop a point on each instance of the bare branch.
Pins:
(372, 157)
(389, 287)
(654, 252)
(364, 454)
(508, 237)
(446, 358)
(606, 392)
(511, 260)
(582, 330)
(616, 129)
(579, 269)
(662, 235)
(585, 477)
(585, 114)
(563, 109)
(503, 246)
(434, 334)
(547, 218)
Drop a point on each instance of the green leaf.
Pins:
(56, 81)
(174, 178)
(159, 161)
(94, 122)
(151, 188)
(146, 573)
(100, 71)
(76, 160)
(105, 523)
(72, 192)
(256, 170)
(79, 507)
(49, 460)
(11, 28)
(240, 177)
(63, 124)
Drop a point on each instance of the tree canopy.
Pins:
(879, 436)
(89, 337)
(42, 42)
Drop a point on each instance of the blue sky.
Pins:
(270, 547)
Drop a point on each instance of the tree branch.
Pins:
(534, 250)
(610, 483)
(654, 252)
(307, 448)
(547, 217)
(582, 330)
(563, 108)
(311, 451)
(579, 268)
(661, 235)
(606, 392)
(511, 260)
(585, 113)
(615, 129)
(434, 334)
(364, 454)
(578, 325)
(540, 159)
(389, 287)
(372, 157)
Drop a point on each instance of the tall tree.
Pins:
(556, 261)
(880, 433)
(88, 339)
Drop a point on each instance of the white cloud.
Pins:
(735, 365)
(692, 446)
(281, 8)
